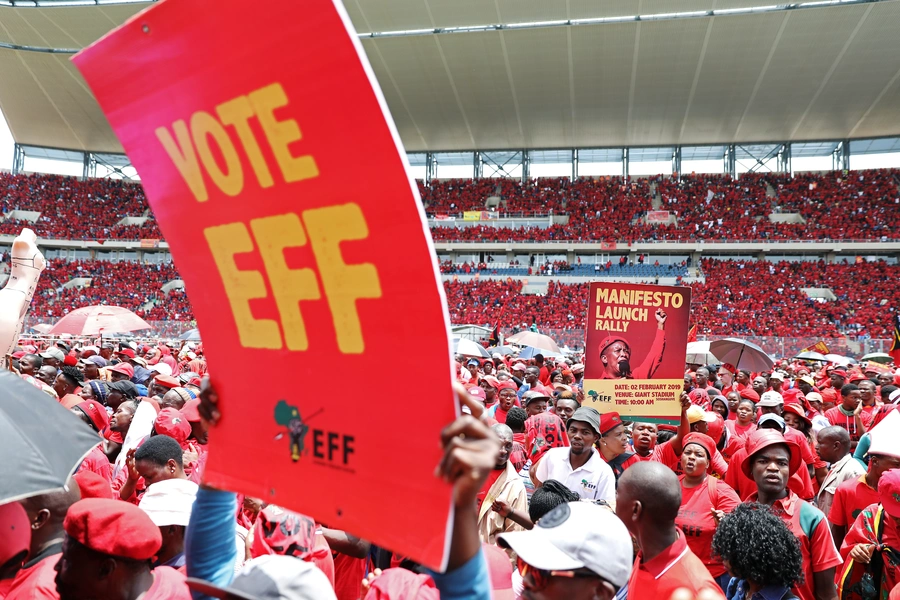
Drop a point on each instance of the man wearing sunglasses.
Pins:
(577, 550)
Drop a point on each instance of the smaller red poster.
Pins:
(277, 177)
(635, 346)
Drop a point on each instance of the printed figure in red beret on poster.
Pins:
(615, 354)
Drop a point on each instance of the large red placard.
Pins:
(278, 179)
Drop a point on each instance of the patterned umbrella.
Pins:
(99, 320)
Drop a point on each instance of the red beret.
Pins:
(702, 440)
(70, 360)
(166, 381)
(92, 485)
(749, 393)
(609, 421)
(609, 341)
(190, 412)
(113, 527)
(96, 412)
(172, 423)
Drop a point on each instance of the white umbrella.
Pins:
(535, 340)
(698, 354)
(469, 348)
(838, 359)
(812, 356)
(742, 354)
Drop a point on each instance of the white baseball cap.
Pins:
(574, 536)
(770, 399)
(274, 577)
(162, 368)
(169, 502)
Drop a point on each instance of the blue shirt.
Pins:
(470, 581)
(209, 543)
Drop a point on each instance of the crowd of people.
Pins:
(834, 205)
(778, 484)
(133, 285)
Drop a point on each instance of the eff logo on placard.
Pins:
(328, 448)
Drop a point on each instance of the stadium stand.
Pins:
(834, 205)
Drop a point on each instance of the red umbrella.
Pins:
(93, 320)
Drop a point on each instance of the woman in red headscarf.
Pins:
(508, 397)
(704, 500)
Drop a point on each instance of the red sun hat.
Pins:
(763, 438)
(113, 527)
(797, 410)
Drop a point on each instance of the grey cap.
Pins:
(772, 417)
(588, 415)
(272, 577)
(529, 397)
(53, 353)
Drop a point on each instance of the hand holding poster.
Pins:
(635, 349)
(242, 122)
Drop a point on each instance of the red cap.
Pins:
(124, 368)
(889, 492)
(92, 485)
(762, 439)
(609, 421)
(15, 531)
(840, 372)
(96, 412)
(70, 360)
(190, 412)
(477, 392)
(667, 427)
(172, 423)
(166, 381)
(702, 440)
(126, 352)
(113, 527)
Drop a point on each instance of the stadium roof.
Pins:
(610, 74)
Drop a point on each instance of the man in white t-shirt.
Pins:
(579, 467)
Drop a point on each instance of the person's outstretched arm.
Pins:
(209, 547)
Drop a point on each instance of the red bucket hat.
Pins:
(763, 438)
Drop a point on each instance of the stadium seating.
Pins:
(125, 283)
(859, 205)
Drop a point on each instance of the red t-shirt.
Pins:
(740, 431)
(348, 575)
(97, 462)
(837, 417)
(666, 455)
(168, 584)
(5, 584)
(695, 518)
(37, 582)
(673, 568)
(850, 498)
